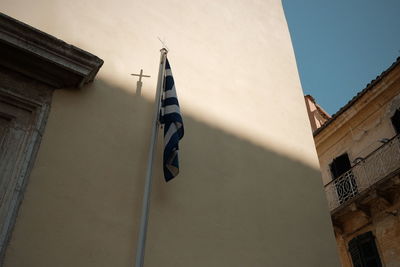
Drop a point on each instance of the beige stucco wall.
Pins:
(249, 192)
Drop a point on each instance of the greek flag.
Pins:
(173, 125)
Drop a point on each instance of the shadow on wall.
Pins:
(233, 204)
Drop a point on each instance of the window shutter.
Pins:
(355, 253)
(364, 252)
(396, 121)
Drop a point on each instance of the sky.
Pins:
(341, 46)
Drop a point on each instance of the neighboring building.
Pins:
(359, 154)
(317, 115)
(249, 190)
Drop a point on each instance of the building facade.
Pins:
(359, 154)
(248, 182)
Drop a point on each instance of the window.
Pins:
(396, 121)
(22, 119)
(346, 186)
(363, 251)
(32, 65)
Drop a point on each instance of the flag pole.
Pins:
(140, 249)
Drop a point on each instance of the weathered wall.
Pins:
(249, 192)
(387, 233)
(384, 223)
(358, 132)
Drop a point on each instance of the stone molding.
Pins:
(24, 107)
(43, 57)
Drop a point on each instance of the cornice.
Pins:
(358, 103)
(356, 109)
(43, 57)
(373, 84)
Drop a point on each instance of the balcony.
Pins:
(381, 164)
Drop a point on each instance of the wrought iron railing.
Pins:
(380, 163)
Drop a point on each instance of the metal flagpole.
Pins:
(147, 187)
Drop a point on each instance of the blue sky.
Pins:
(342, 45)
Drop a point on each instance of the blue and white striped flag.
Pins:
(173, 125)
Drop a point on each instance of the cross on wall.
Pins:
(140, 75)
(139, 83)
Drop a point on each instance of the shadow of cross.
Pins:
(139, 83)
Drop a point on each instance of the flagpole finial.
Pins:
(164, 50)
(164, 46)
